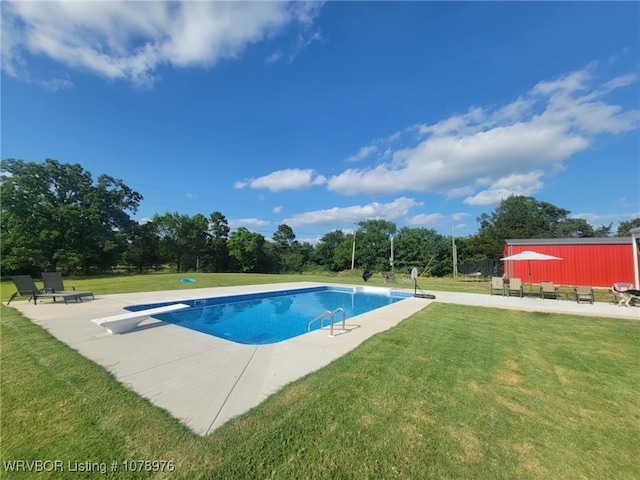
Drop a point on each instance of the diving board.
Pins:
(128, 321)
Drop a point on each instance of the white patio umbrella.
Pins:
(528, 255)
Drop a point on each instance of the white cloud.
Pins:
(356, 213)
(315, 240)
(606, 218)
(274, 57)
(129, 40)
(363, 153)
(426, 220)
(621, 81)
(288, 179)
(537, 132)
(277, 209)
(433, 220)
(248, 223)
(516, 184)
(459, 216)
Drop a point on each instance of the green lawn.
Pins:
(108, 284)
(452, 392)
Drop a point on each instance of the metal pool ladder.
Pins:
(332, 315)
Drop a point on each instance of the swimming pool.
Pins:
(270, 317)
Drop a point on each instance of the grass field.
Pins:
(451, 392)
(109, 284)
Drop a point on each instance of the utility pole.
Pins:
(391, 259)
(353, 252)
(455, 254)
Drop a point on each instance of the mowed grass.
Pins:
(452, 392)
(109, 284)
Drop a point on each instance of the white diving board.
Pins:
(128, 321)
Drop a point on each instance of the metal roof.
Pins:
(570, 241)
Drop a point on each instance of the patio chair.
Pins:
(53, 283)
(549, 290)
(584, 293)
(497, 284)
(27, 288)
(515, 285)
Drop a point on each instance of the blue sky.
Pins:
(319, 115)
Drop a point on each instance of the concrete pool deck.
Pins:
(202, 380)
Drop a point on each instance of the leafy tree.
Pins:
(283, 238)
(324, 253)
(271, 261)
(143, 250)
(624, 228)
(572, 228)
(373, 249)
(217, 257)
(286, 249)
(305, 250)
(248, 250)
(342, 253)
(183, 239)
(53, 215)
(419, 247)
(292, 261)
(519, 217)
(603, 230)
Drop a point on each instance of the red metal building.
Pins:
(597, 262)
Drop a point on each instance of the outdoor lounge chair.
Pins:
(27, 288)
(548, 289)
(515, 285)
(53, 284)
(584, 293)
(497, 283)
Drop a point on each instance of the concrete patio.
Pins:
(203, 380)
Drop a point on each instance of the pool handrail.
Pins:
(344, 319)
(329, 314)
(326, 313)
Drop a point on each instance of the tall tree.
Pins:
(516, 217)
(182, 239)
(283, 238)
(625, 227)
(284, 242)
(343, 253)
(373, 248)
(603, 230)
(218, 251)
(419, 247)
(324, 253)
(53, 215)
(248, 250)
(572, 228)
(143, 250)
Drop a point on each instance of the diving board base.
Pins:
(128, 321)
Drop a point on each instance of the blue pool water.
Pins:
(270, 317)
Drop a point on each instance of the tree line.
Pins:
(55, 217)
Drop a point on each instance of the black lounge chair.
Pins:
(53, 284)
(27, 288)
